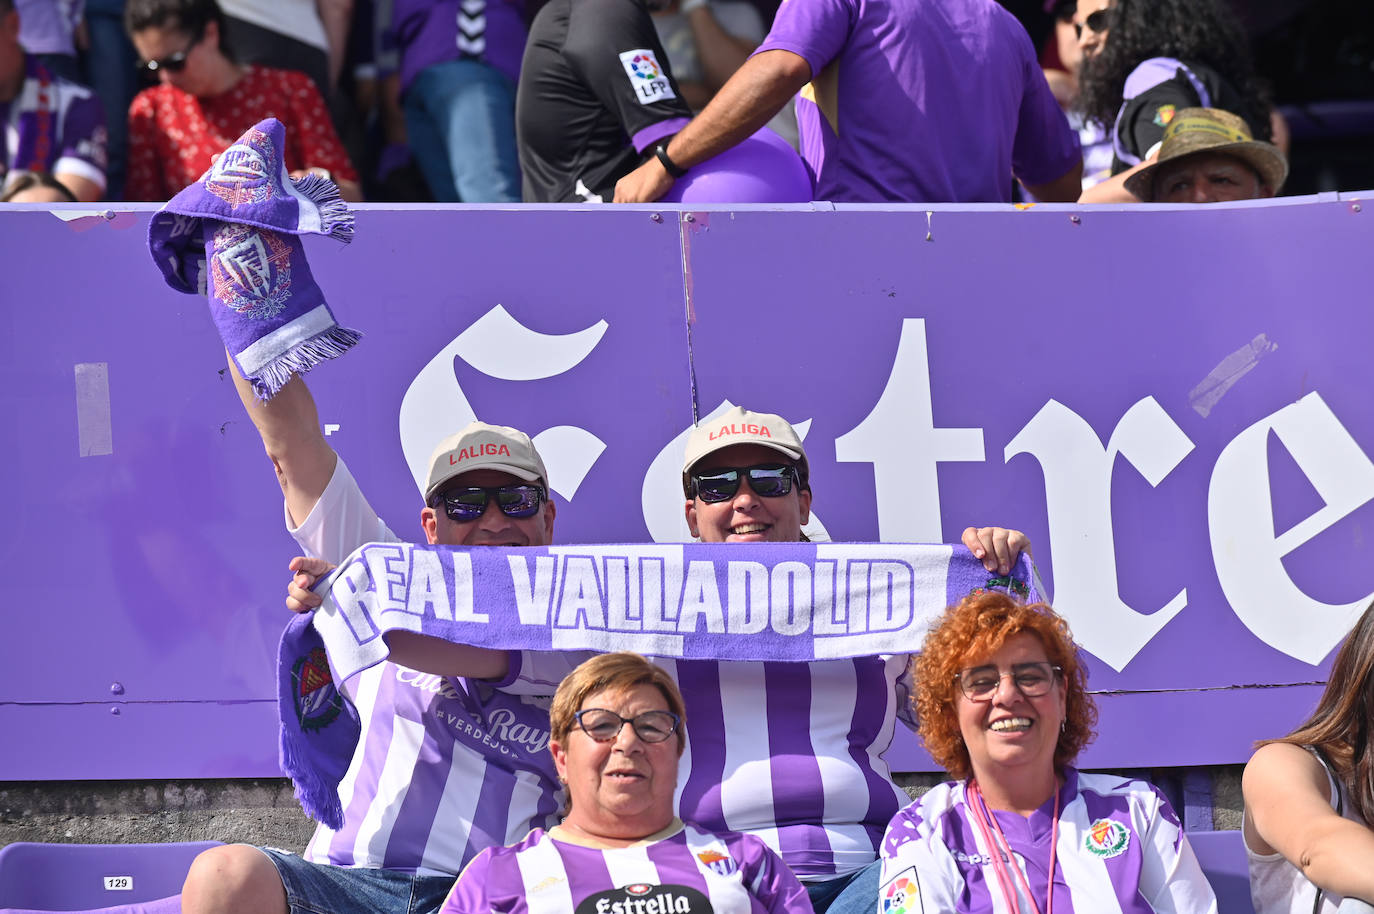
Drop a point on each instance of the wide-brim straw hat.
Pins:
(1195, 130)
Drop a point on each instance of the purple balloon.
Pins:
(760, 169)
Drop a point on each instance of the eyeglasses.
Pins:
(980, 683)
(467, 503)
(173, 63)
(1096, 22)
(769, 480)
(651, 726)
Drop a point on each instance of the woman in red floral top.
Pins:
(205, 101)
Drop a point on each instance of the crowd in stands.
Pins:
(591, 100)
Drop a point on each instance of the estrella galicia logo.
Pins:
(318, 702)
(643, 898)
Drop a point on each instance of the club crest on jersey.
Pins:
(719, 863)
(244, 172)
(901, 894)
(1107, 838)
(647, 76)
(644, 898)
(318, 702)
(251, 270)
(1163, 115)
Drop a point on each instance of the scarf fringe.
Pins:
(302, 357)
(336, 220)
(318, 798)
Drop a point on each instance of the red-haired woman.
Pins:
(1001, 696)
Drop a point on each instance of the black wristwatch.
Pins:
(661, 151)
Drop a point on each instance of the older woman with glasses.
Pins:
(1001, 696)
(616, 737)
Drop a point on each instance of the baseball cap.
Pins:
(740, 426)
(485, 447)
(1196, 130)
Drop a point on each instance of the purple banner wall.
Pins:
(1171, 403)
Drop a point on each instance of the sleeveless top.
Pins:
(1279, 887)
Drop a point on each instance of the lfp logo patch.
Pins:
(1164, 114)
(902, 894)
(647, 76)
(1107, 838)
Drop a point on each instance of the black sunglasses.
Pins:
(768, 480)
(172, 63)
(1094, 22)
(467, 503)
(651, 726)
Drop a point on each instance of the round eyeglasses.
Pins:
(980, 683)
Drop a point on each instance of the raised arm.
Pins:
(289, 426)
(1288, 810)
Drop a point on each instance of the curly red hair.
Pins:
(973, 629)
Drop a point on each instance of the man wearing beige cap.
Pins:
(443, 766)
(1207, 156)
(819, 729)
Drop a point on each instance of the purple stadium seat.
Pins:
(84, 877)
(1222, 855)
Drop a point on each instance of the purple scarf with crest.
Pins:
(243, 219)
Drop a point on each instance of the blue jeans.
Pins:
(110, 67)
(460, 117)
(855, 893)
(314, 888)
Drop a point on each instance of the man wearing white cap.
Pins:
(443, 766)
(789, 751)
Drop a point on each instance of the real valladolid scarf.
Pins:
(789, 602)
(243, 219)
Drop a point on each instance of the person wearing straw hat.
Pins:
(1207, 156)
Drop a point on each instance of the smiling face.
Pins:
(1010, 732)
(747, 517)
(493, 528)
(1208, 177)
(621, 789)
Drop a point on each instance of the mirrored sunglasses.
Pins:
(467, 503)
(768, 480)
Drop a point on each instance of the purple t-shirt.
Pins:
(428, 32)
(682, 869)
(930, 101)
(52, 125)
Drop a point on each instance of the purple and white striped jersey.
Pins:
(681, 870)
(792, 753)
(1120, 849)
(789, 752)
(445, 766)
(52, 125)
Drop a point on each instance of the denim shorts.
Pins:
(317, 888)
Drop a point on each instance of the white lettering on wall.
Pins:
(1246, 549)
(900, 439)
(1078, 486)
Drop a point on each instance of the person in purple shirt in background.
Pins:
(49, 124)
(906, 101)
(460, 62)
(1002, 698)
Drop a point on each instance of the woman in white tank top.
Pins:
(1309, 797)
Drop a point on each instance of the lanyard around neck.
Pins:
(999, 848)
